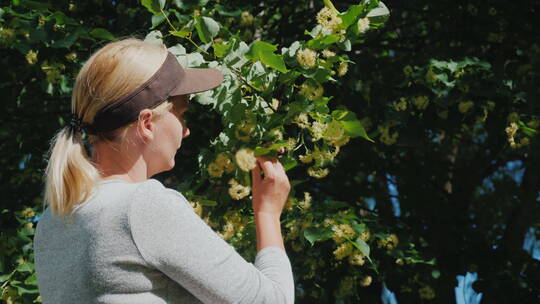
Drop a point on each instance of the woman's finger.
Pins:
(267, 167)
(256, 174)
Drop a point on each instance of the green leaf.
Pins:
(350, 16)
(25, 267)
(363, 247)
(206, 202)
(221, 50)
(157, 20)
(378, 15)
(101, 33)
(323, 42)
(354, 128)
(265, 150)
(288, 163)
(183, 33)
(154, 6)
(523, 127)
(264, 52)
(314, 234)
(207, 28)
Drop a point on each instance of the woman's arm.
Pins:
(177, 242)
(270, 193)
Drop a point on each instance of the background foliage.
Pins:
(447, 91)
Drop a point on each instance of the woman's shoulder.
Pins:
(152, 192)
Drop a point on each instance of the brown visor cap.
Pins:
(171, 79)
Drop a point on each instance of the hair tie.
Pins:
(76, 124)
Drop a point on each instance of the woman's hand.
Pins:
(270, 191)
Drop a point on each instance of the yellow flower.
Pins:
(400, 261)
(343, 68)
(343, 251)
(512, 117)
(511, 133)
(275, 104)
(401, 105)
(28, 213)
(421, 102)
(342, 141)
(306, 58)
(363, 25)
(334, 131)
(365, 235)
(386, 137)
(357, 258)
(317, 172)
(328, 19)
(366, 281)
(31, 57)
(276, 133)
(237, 191)
(389, 242)
(311, 91)
(243, 131)
(317, 129)
(71, 56)
(214, 170)
(224, 162)
(302, 120)
(342, 232)
(327, 53)
(291, 144)
(306, 202)
(245, 159)
(246, 18)
(465, 106)
(427, 293)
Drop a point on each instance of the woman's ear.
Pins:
(145, 126)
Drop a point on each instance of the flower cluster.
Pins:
(342, 232)
(243, 130)
(328, 54)
(389, 242)
(363, 25)
(238, 191)
(306, 58)
(366, 281)
(246, 18)
(302, 120)
(311, 90)
(343, 250)
(511, 133)
(245, 159)
(329, 19)
(421, 102)
(221, 164)
(233, 225)
(306, 202)
(386, 137)
(317, 172)
(401, 105)
(342, 69)
(357, 258)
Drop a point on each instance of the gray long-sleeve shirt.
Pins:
(143, 243)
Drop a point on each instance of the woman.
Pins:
(110, 233)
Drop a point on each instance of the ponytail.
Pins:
(70, 176)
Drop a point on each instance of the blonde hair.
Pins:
(112, 72)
